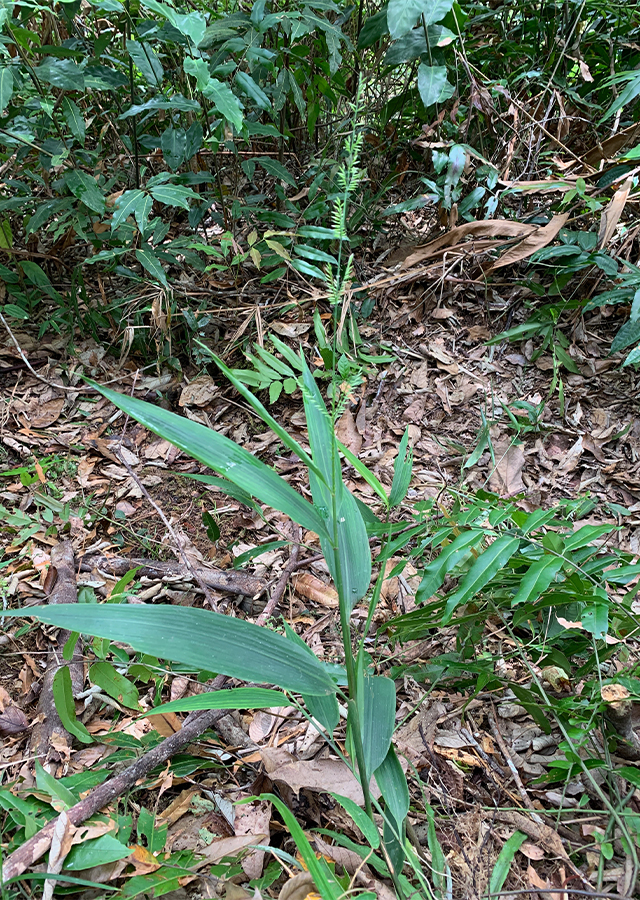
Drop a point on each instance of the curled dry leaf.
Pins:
(12, 721)
(614, 693)
(506, 478)
(536, 241)
(198, 392)
(312, 588)
(347, 432)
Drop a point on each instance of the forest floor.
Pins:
(73, 468)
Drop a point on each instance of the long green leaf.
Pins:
(377, 720)
(481, 572)
(363, 471)
(324, 708)
(393, 785)
(324, 879)
(504, 861)
(349, 562)
(63, 699)
(223, 456)
(402, 471)
(196, 638)
(236, 698)
(537, 579)
(452, 554)
(262, 411)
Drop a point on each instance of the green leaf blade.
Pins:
(199, 638)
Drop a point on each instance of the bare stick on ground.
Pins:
(49, 735)
(279, 588)
(232, 582)
(33, 849)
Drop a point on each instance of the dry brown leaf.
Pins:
(611, 214)
(493, 228)
(298, 887)
(609, 148)
(290, 329)
(12, 721)
(506, 478)
(572, 457)
(252, 818)
(318, 775)
(536, 241)
(347, 432)
(231, 846)
(60, 846)
(43, 414)
(312, 588)
(613, 693)
(532, 851)
(177, 808)
(350, 861)
(198, 392)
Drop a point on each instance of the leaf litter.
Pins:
(65, 479)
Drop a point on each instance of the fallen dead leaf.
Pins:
(312, 588)
(506, 478)
(198, 392)
(347, 432)
(317, 775)
(536, 241)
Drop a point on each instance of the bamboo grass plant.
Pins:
(246, 651)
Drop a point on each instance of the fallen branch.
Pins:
(33, 849)
(42, 744)
(281, 583)
(219, 579)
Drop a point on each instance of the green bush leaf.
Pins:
(197, 638)
(481, 572)
(114, 684)
(448, 559)
(373, 29)
(225, 102)
(74, 119)
(537, 579)
(146, 59)
(627, 335)
(6, 87)
(65, 706)
(403, 15)
(150, 262)
(223, 456)
(236, 698)
(431, 83)
(173, 195)
(253, 90)
(85, 188)
(173, 144)
(97, 852)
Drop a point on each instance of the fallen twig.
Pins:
(33, 849)
(219, 579)
(281, 583)
(48, 724)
